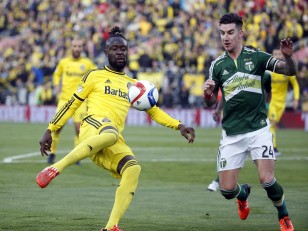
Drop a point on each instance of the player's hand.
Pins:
(187, 132)
(216, 115)
(286, 47)
(45, 142)
(208, 87)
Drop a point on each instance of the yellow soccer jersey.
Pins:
(106, 92)
(279, 87)
(69, 72)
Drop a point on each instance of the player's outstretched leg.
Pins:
(124, 194)
(242, 201)
(45, 176)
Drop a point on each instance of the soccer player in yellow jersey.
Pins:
(101, 137)
(66, 78)
(279, 91)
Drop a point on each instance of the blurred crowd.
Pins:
(173, 37)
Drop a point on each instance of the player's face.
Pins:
(77, 47)
(231, 37)
(116, 52)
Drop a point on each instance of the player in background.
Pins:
(217, 115)
(280, 84)
(101, 137)
(238, 73)
(67, 75)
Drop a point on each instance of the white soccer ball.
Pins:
(143, 95)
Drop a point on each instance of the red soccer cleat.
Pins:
(243, 206)
(286, 224)
(115, 228)
(45, 176)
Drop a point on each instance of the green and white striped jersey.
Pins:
(241, 82)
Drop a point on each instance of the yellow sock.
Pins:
(55, 140)
(124, 194)
(273, 131)
(86, 148)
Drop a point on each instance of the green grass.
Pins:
(171, 195)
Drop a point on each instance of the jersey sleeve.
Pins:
(162, 118)
(64, 114)
(214, 75)
(84, 88)
(267, 61)
(295, 86)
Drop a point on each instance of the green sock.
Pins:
(282, 210)
(242, 195)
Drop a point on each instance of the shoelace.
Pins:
(242, 205)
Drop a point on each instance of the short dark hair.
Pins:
(231, 18)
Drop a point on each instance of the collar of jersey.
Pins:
(108, 69)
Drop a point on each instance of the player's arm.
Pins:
(162, 118)
(296, 91)
(66, 112)
(61, 117)
(287, 67)
(57, 77)
(218, 111)
(210, 89)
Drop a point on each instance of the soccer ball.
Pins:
(143, 95)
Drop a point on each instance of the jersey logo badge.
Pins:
(222, 163)
(80, 88)
(108, 81)
(225, 72)
(249, 66)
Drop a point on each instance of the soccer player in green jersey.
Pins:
(246, 129)
(101, 137)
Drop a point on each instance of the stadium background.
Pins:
(172, 43)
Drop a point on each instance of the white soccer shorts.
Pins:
(233, 150)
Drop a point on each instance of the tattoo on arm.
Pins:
(287, 67)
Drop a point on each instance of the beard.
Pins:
(118, 65)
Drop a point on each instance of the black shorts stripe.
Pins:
(108, 127)
(92, 122)
(124, 160)
(130, 163)
(62, 111)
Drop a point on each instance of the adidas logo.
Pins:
(225, 72)
(108, 81)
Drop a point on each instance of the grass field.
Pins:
(172, 193)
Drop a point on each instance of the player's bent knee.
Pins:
(128, 163)
(228, 194)
(274, 191)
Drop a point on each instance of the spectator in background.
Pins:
(175, 30)
(279, 90)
